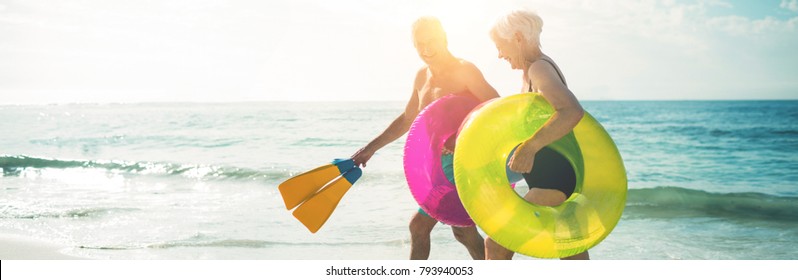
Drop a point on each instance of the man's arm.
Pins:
(477, 84)
(396, 129)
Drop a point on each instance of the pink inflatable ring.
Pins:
(428, 183)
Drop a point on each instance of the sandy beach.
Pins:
(16, 247)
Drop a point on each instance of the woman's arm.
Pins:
(568, 112)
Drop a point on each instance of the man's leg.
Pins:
(420, 228)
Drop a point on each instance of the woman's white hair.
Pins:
(527, 23)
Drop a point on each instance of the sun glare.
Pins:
(459, 16)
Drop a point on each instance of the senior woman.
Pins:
(550, 177)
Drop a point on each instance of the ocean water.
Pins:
(707, 180)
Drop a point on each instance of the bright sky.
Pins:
(202, 50)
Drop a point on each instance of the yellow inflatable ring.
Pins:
(585, 219)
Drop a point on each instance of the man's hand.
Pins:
(362, 156)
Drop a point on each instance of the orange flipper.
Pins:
(301, 187)
(315, 211)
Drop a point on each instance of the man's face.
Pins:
(430, 45)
